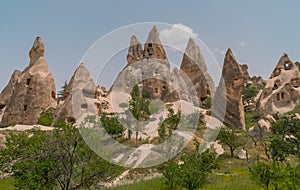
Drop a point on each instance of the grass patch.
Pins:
(153, 184)
(6, 184)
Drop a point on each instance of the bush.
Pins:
(46, 118)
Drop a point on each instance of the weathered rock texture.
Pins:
(34, 92)
(282, 91)
(230, 90)
(135, 51)
(9, 89)
(153, 48)
(64, 110)
(194, 66)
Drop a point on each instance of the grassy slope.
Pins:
(6, 184)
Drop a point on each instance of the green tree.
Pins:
(261, 173)
(111, 124)
(57, 159)
(195, 169)
(167, 126)
(170, 171)
(230, 138)
(46, 117)
(139, 108)
(249, 92)
(285, 139)
(61, 93)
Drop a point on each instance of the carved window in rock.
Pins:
(28, 81)
(237, 82)
(276, 85)
(156, 90)
(163, 87)
(295, 82)
(287, 66)
(276, 72)
(53, 95)
(278, 97)
(25, 107)
(282, 95)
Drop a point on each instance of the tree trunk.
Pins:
(136, 138)
(231, 151)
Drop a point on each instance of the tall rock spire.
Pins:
(153, 48)
(34, 92)
(194, 66)
(135, 51)
(230, 90)
(37, 50)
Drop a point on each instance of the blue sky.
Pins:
(257, 31)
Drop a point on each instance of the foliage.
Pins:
(275, 174)
(249, 92)
(61, 93)
(192, 171)
(46, 118)
(230, 138)
(206, 104)
(139, 108)
(53, 159)
(285, 138)
(170, 172)
(195, 169)
(169, 124)
(112, 125)
(7, 125)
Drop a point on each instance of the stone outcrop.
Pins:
(246, 74)
(135, 51)
(230, 90)
(64, 110)
(9, 89)
(34, 92)
(153, 48)
(194, 66)
(282, 91)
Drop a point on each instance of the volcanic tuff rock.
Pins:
(9, 89)
(135, 51)
(65, 109)
(153, 48)
(194, 66)
(281, 93)
(230, 90)
(34, 92)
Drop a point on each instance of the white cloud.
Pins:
(218, 51)
(177, 36)
(242, 43)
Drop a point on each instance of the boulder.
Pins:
(230, 90)
(282, 91)
(243, 154)
(34, 92)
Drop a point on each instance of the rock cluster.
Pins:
(282, 91)
(33, 92)
(65, 108)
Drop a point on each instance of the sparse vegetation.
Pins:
(46, 117)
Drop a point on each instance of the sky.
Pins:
(258, 32)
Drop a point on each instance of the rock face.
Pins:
(135, 51)
(34, 92)
(153, 48)
(230, 90)
(282, 91)
(9, 89)
(194, 66)
(64, 110)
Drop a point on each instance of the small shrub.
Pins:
(46, 118)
